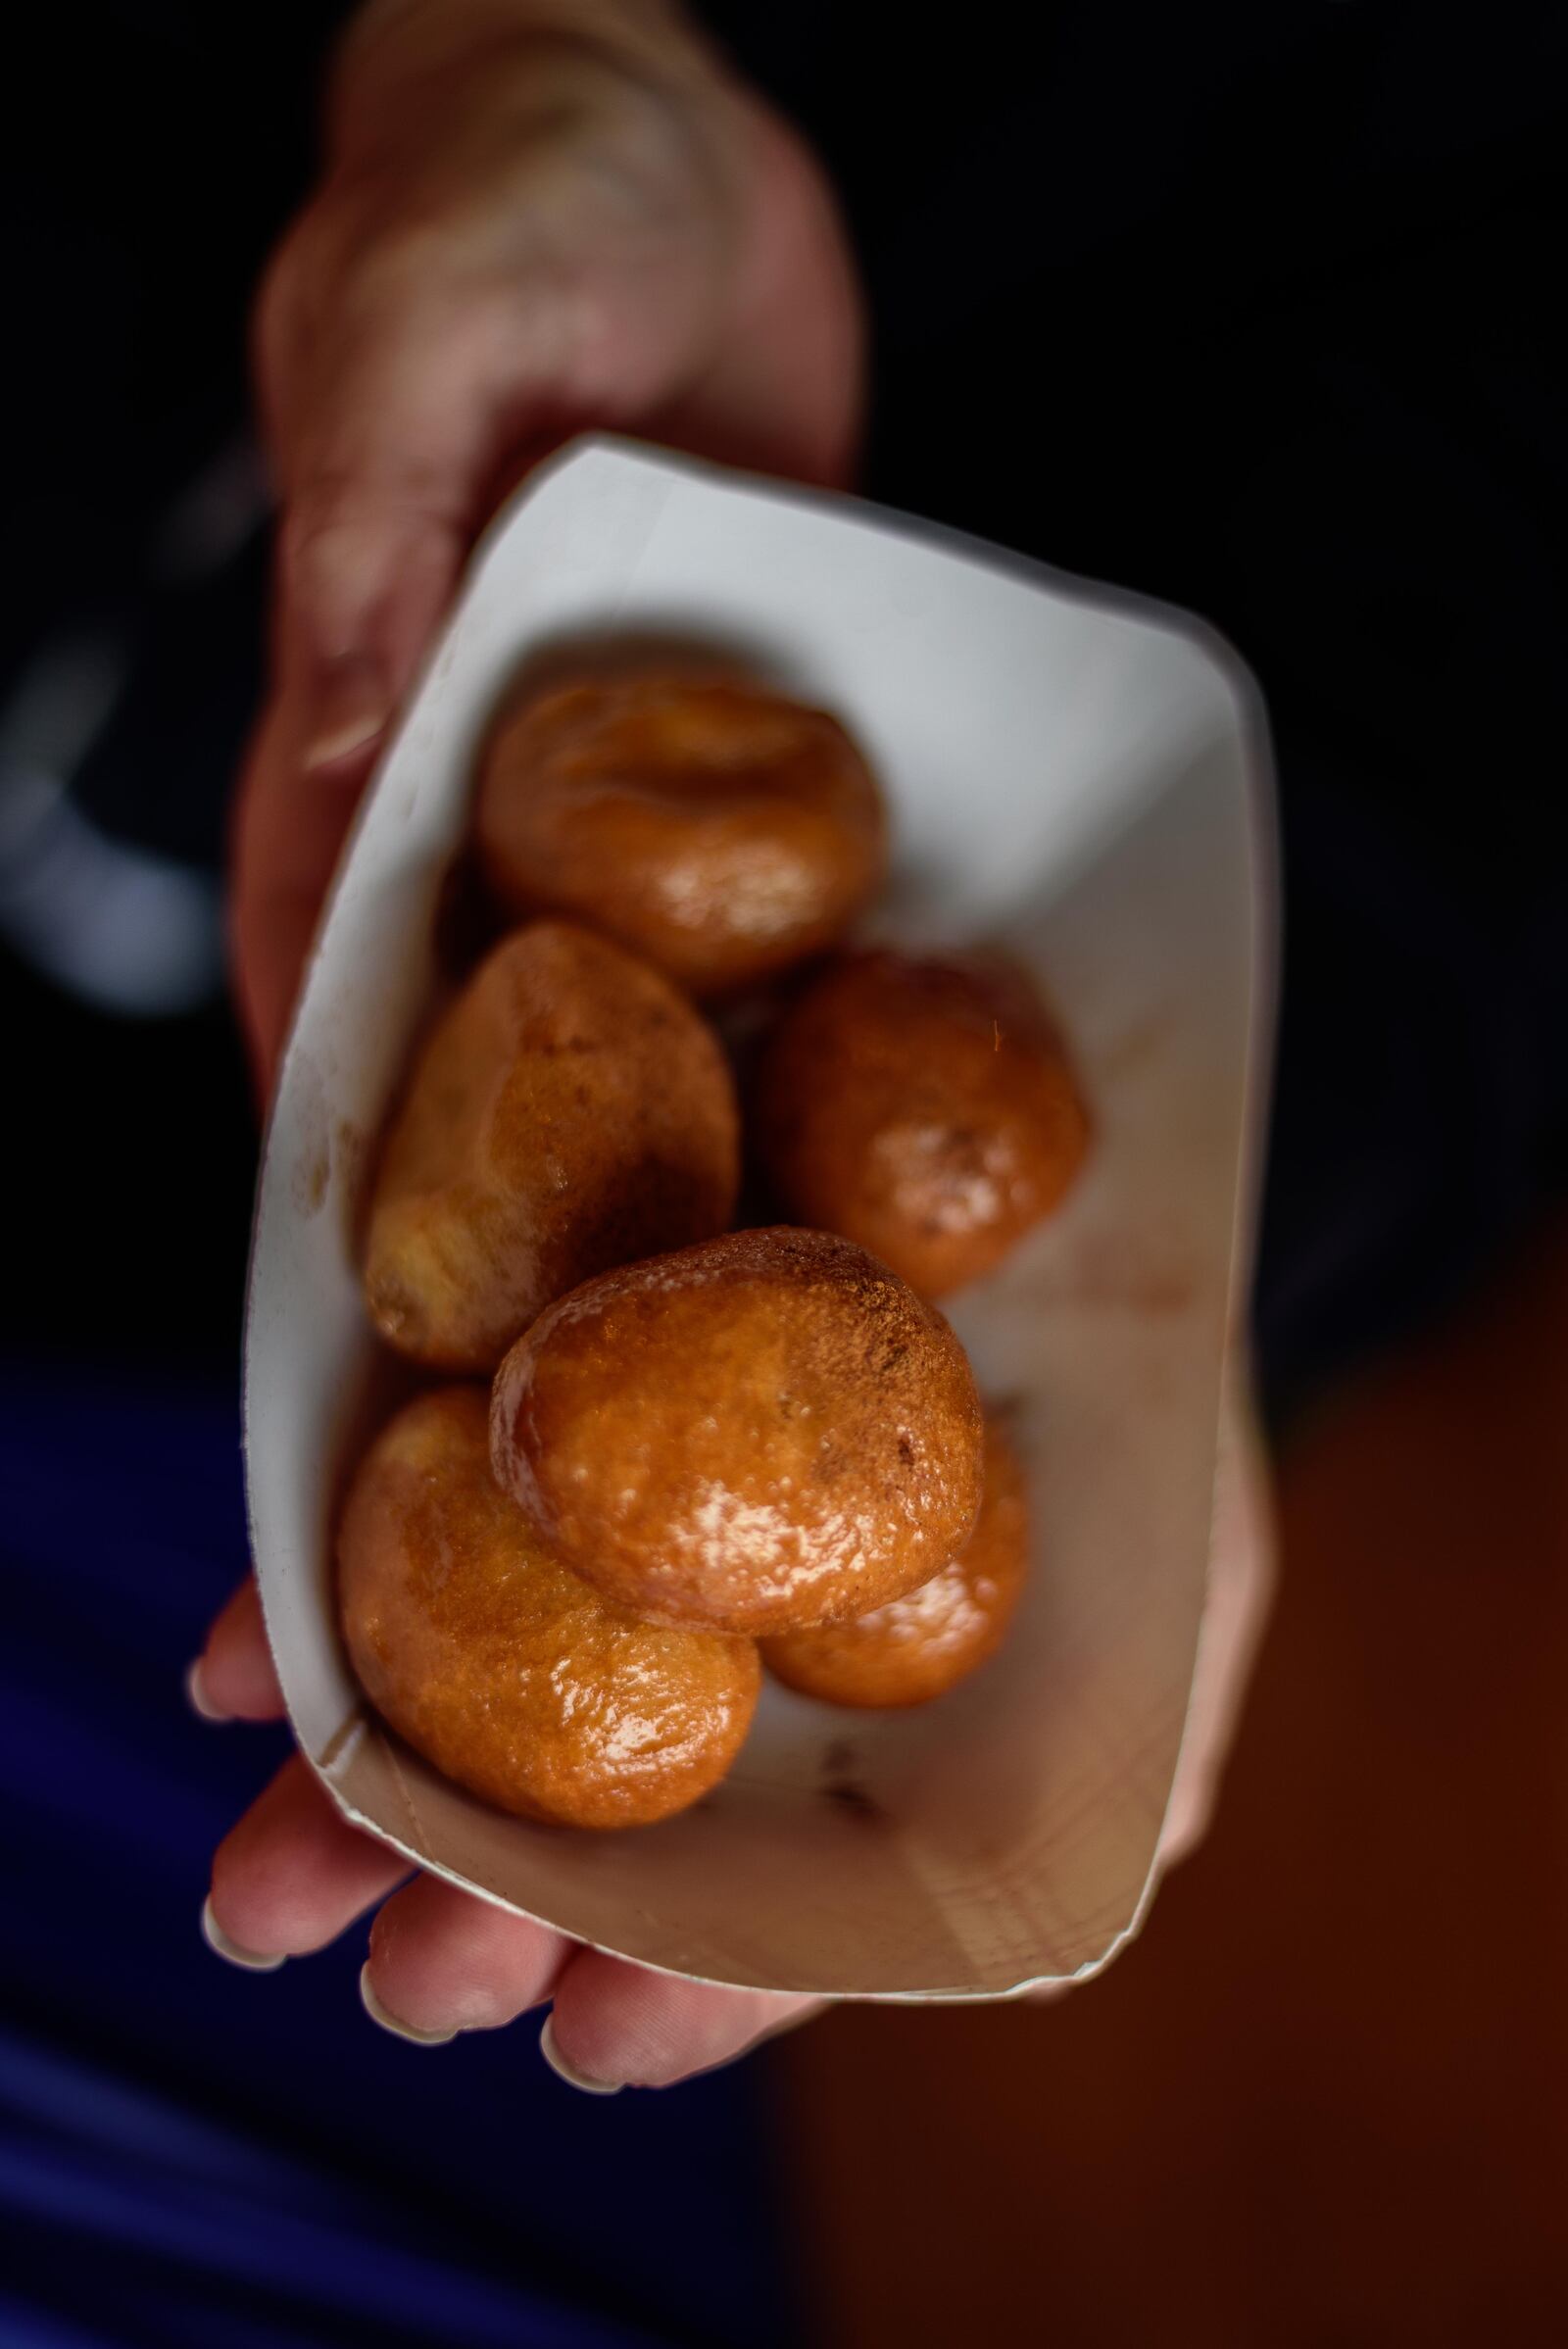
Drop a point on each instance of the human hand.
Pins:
(293, 1875)
(536, 217)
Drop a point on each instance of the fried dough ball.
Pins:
(924, 1643)
(926, 1107)
(502, 1668)
(570, 1111)
(718, 828)
(765, 1431)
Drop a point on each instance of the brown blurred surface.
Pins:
(1324, 2100)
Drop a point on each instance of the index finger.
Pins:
(613, 2025)
(234, 1678)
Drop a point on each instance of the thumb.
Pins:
(387, 446)
(363, 583)
(388, 416)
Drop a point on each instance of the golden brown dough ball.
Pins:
(501, 1667)
(721, 830)
(926, 1107)
(924, 1643)
(570, 1111)
(765, 1431)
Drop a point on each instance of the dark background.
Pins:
(1254, 309)
(1249, 308)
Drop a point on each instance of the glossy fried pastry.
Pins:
(501, 1667)
(924, 1643)
(570, 1111)
(718, 828)
(765, 1431)
(926, 1107)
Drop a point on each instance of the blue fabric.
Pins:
(191, 2154)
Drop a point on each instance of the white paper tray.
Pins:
(1080, 776)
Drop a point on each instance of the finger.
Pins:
(386, 445)
(442, 1962)
(616, 2026)
(293, 1873)
(387, 450)
(234, 1678)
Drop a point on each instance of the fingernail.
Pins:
(196, 1696)
(573, 2078)
(219, 1942)
(400, 2031)
(351, 708)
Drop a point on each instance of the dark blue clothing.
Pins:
(192, 2154)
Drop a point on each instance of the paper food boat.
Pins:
(1079, 776)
